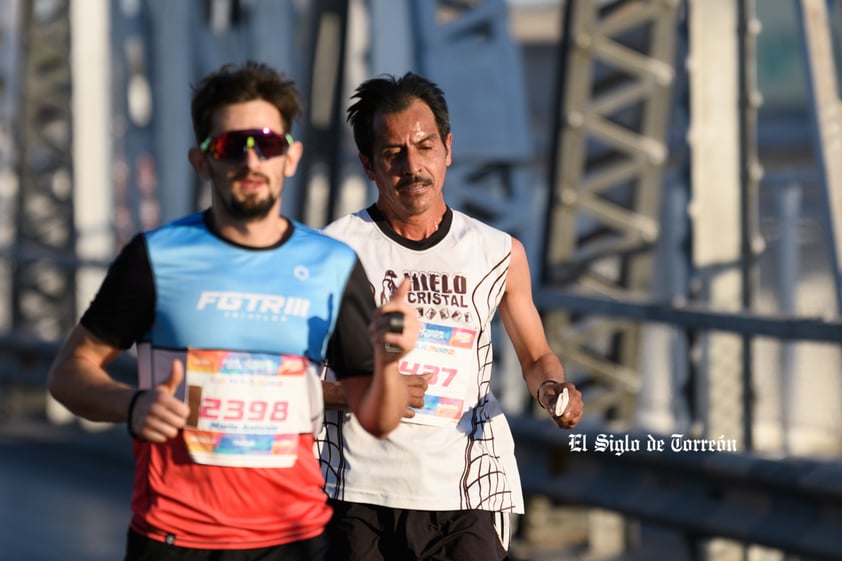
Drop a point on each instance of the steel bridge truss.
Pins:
(43, 276)
(615, 89)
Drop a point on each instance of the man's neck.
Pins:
(262, 232)
(415, 227)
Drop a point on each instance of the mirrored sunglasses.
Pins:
(232, 145)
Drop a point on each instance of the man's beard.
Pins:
(250, 209)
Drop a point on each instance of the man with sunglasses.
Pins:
(441, 485)
(232, 311)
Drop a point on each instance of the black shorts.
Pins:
(363, 532)
(141, 548)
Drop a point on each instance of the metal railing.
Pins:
(793, 505)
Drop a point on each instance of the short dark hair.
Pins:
(240, 83)
(389, 94)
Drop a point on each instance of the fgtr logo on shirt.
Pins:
(251, 303)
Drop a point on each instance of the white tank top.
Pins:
(458, 452)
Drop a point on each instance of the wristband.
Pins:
(538, 391)
(132, 403)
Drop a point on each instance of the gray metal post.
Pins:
(789, 264)
(750, 173)
(9, 86)
(172, 73)
(826, 120)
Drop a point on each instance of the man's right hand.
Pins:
(158, 414)
(416, 384)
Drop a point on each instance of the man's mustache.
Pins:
(246, 173)
(408, 181)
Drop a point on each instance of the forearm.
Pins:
(546, 367)
(88, 391)
(384, 402)
(380, 403)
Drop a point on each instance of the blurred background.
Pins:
(673, 167)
